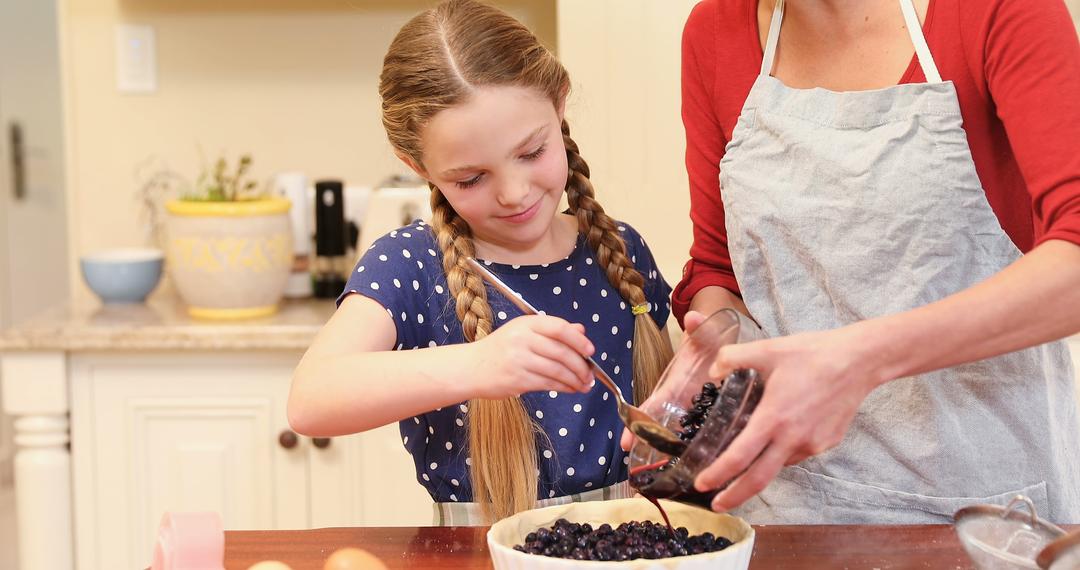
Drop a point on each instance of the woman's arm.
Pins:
(816, 381)
(350, 381)
(709, 266)
(710, 299)
(1033, 301)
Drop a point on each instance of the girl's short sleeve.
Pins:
(395, 272)
(657, 290)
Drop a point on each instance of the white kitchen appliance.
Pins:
(398, 201)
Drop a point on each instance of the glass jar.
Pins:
(707, 413)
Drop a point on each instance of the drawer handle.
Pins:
(288, 439)
(321, 442)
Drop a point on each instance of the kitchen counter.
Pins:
(460, 548)
(102, 395)
(163, 324)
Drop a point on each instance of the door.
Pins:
(33, 219)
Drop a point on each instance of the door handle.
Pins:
(18, 160)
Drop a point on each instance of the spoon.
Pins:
(640, 423)
(1056, 548)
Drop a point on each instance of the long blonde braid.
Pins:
(651, 352)
(502, 436)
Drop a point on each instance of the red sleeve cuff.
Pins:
(1064, 234)
(695, 278)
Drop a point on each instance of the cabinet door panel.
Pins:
(158, 433)
(366, 479)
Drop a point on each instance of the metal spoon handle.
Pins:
(528, 309)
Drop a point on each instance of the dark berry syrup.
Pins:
(663, 513)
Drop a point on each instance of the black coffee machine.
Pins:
(334, 237)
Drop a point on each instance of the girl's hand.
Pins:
(691, 321)
(531, 353)
(814, 383)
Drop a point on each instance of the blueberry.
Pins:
(628, 541)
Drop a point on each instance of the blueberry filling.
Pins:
(628, 541)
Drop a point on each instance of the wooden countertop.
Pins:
(162, 323)
(814, 547)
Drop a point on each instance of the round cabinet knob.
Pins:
(321, 442)
(288, 439)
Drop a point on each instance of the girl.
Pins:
(474, 104)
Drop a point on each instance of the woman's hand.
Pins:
(814, 383)
(530, 354)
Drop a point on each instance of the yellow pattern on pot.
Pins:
(229, 259)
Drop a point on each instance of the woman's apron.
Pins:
(848, 206)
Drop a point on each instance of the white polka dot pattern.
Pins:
(403, 272)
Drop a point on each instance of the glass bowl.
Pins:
(1004, 538)
(685, 388)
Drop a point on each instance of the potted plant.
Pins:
(228, 244)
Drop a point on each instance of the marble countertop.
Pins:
(162, 323)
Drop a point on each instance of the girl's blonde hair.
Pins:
(435, 62)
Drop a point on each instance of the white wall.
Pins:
(624, 113)
(293, 82)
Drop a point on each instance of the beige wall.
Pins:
(293, 82)
(623, 58)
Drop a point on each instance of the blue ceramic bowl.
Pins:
(122, 275)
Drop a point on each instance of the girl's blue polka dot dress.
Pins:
(402, 271)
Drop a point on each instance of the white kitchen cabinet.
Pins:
(153, 433)
(122, 413)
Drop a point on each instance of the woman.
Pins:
(875, 231)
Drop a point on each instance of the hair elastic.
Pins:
(640, 309)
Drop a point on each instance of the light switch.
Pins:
(136, 59)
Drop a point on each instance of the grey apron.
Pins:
(849, 206)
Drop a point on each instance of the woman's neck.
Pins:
(556, 244)
(841, 45)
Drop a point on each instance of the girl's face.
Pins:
(500, 161)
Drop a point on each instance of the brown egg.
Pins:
(269, 565)
(353, 559)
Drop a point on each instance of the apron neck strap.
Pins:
(769, 60)
(922, 51)
(911, 19)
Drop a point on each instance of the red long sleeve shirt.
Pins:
(1016, 68)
